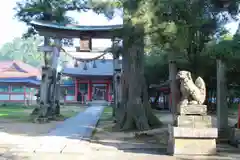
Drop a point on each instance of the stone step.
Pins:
(197, 133)
(193, 110)
(196, 121)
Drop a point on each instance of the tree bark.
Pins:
(222, 108)
(135, 112)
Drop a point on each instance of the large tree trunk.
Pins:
(135, 112)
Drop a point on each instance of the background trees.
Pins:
(25, 50)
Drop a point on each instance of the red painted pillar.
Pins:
(107, 91)
(110, 92)
(76, 89)
(89, 90)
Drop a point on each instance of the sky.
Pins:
(11, 28)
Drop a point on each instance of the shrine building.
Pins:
(18, 80)
(95, 83)
(92, 80)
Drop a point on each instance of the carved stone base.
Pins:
(193, 110)
(194, 146)
(194, 121)
(192, 141)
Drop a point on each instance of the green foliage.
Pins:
(25, 50)
(156, 67)
(48, 10)
(55, 10)
(227, 48)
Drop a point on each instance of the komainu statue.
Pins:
(192, 93)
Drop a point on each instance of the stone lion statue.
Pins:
(192, 93)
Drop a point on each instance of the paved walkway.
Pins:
(66, 138)
(80, 126)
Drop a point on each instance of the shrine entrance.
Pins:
(88, 90)
(99, 92)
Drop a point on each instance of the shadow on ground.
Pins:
(154, 142)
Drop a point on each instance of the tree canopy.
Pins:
(25, 50)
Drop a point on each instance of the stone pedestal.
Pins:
(193, 133)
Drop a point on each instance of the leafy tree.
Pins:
(47, 10)
(25, 50)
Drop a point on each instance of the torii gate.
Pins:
(49, 106)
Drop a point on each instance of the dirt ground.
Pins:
(152, 142)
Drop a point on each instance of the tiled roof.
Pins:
(20, 80)
(103, 68)
(17, 69)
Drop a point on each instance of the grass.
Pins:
(21, 113)
(106, 117)
(15, 112)
(107, 114)
(67, 112)
(233, 110)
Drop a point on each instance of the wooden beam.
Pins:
(57, 33)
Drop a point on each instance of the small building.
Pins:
(89, 81)
(18, 81)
